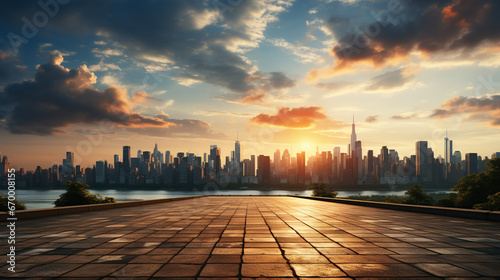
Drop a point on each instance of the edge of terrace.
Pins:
(443, 211)
(58, 211)
(435, 210)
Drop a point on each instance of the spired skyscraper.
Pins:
(352, 147)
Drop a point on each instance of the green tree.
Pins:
(4, 204)
(493, 203)
(475, 188)
(77, 194)
(417, 196)
(319, 190)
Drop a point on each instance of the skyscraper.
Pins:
(252, 165)
(126, 159)
(277, 162)
(301, 167)
(446, 155)
(237, 151)
(237, 158)
(68, 163)
(264, 169)
(471, 160)
(352, 147)
(422, 161)
(100, 172)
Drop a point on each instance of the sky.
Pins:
(93, 76)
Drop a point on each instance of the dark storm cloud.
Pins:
(426, 26)
(11, 67)
(176, 32)
(59, 97)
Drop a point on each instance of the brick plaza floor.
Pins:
(255, 238)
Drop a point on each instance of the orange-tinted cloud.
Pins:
(301, 117)
(485, 108)
(253, 98)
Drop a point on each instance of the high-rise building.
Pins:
(68, 163)
(352, 147)
(422, 161)
(301, 167)
(100, 172)
(264, 169)
(237, 152)
(358, 162)
(370, 163)
(446, 149)
(252, 166)
(471, 161)
(277, 162)
(146, 157)
(126, 159)
(168, 158)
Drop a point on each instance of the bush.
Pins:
(417, 196)
(475, 189)
(319, 190)
(393, 199)
(493, 203)
(4, 204)
(77, 194)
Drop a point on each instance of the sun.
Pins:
(305, 146)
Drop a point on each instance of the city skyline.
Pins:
(82, 160)
(279, 74)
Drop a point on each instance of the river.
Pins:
(44, 198)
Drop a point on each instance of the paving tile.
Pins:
(136, 270)
(225, 259)
(94, 270)
(262, 251)
(381, 270)
(445, 270)
(307, 259)
(359, 259)
(317, 270)
(178, 270)
(152, 259)
(48, 270)
(266, 270)
(220, 270)
(263, 259)
(484, 269)
(189, 259)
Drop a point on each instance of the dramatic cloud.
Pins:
(59, 97)
(485, 108)
(203, 40)
(424, 28)
(371, 119)
(302, 117)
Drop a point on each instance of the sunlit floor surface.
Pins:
(255, 238)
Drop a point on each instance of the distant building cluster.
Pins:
(329, 167)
